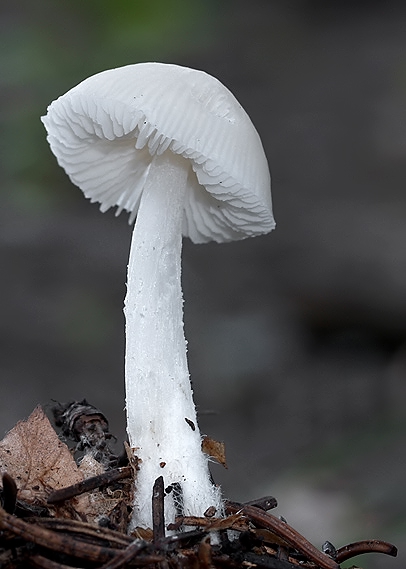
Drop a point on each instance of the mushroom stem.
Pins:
(160, 408)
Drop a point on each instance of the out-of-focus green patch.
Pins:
(145, 25)
(48, 47)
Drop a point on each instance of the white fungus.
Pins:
(173, 147)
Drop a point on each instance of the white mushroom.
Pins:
(172, 146)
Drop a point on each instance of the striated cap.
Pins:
(105, 131)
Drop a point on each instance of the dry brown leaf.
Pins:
(36, 459)
(214, 449)
(90, 467)
(101, 503)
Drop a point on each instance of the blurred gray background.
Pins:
(297, 344)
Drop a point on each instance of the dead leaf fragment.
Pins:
(214, 449)
(32, 454)
(100, 502)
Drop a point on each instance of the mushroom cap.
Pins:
(105, 131)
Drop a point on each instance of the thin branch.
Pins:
(158, 516)
(89, 484)
(289, 535)
(366, 546)
(54, 541)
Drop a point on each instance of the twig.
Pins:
(89, 484)
(266, 503)
(366, 546)
(9, 493)
(235, 521)
(158, 516)
(128, 555)
(84, 529)
(172, 541)
(44, 563)
(54, 541)
(292, 538)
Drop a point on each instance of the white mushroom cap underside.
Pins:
(105, 131)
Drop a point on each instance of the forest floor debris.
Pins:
(60, 513)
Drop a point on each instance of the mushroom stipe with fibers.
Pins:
(174, 148)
